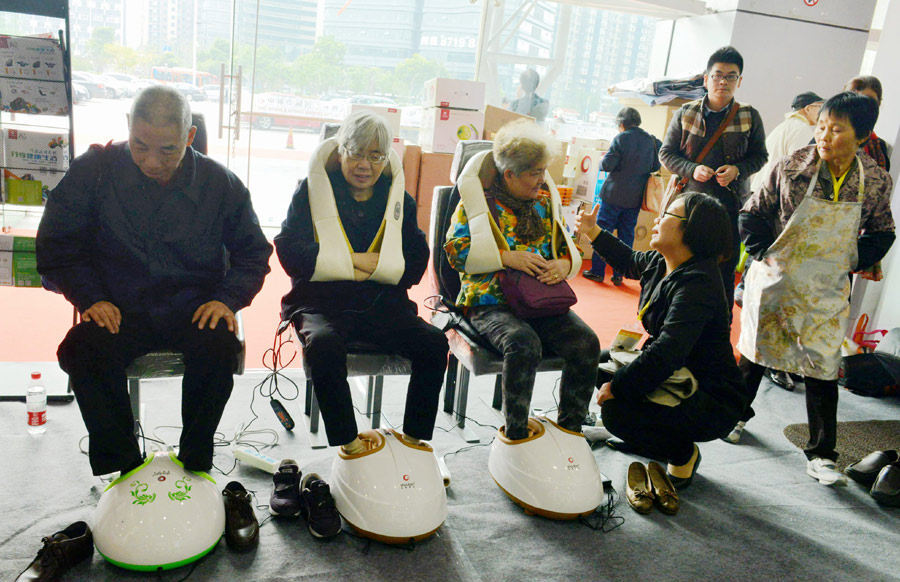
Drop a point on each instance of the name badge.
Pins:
(626, 340)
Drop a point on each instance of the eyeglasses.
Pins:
(731, 77)
(667, 213)
(373, 157)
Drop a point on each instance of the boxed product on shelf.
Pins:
(16, 243)
(497, 117)
(390, 114)
(34, 162)
(455, 94)
(443, 128)
(33, 97)
(576, 144)
(19, 269)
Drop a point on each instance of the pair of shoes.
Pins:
(649, 486)
(630, 449)
(617, 280)
(867, 469)
(684, 482)
(61, 551)
(592, 276)
(825, 471)
(317, 507)
(285, 499)
(886, 489)
(735, 435)
(241, 527)
(781, 379)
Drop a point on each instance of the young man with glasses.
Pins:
(738, 153)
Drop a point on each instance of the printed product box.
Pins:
(33, 97)
(31, 58)
(16, 243)
(443, 128)
(19, 269)
(390, 114)
(455, 94)
(576, 144)
(497, 117)
(586, 172)
(34, 162)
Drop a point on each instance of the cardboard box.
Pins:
(497, 117)
(443, 128)
(412, 157)
(434, 170)
(573, 156)
(655, 119)
(557, 162)
(19, 269)
(16, 243)
(390, 114)
(587, 169)
(455, 94)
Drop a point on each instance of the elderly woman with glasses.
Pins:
(352, 248)
(683, 308)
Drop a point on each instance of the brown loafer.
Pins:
(61, 551)
(638, 490)
(666, 497)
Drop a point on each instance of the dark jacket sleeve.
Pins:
(757, 154)
(65, 236)
(248, 252)
(620, 256)
(757, 234)
(296, 245)
(415, 246)
(872, 246)
(691, 305)
(670, 153)
(611, 159)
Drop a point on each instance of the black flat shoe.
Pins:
(684, 482)
(866, 470)
(592, 276)
(886, 489)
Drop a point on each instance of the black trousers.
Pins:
(522, 342)
(95, 361)
(325, 339)
(821, 409)
(727, 268)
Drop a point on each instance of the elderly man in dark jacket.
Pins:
(631, 158)
(157, 246)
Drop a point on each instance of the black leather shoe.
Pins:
(886, 488)
(866, 470)
(592, 276)
(241, 527)
(61, 551)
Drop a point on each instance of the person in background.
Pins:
(738, 154)
(821, 213)
(528, 237)
(795, 132)
(157, 246)
(684, 311)
(529, 102)
(632, 157)
(874, 145)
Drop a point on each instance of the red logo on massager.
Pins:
(810, 2)
(406, 477)
(585, 163)
(161, 478)
(571, 460)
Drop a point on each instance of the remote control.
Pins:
(257, 459)
(283, 417)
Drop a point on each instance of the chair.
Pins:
(475, 356)
(364, 359)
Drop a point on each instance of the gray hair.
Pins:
(628, 117)
(161, 106)
(360, 130)
(523, 145)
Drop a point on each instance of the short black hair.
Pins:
(726, 54)
(628, 117)
(707, 230)
(859, 110)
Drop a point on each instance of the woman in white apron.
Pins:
(822, 213)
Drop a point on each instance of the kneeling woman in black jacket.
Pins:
(682, 306)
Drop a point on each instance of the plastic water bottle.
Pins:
(36, 404)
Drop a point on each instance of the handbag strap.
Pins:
(709, 145)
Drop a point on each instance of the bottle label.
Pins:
(37, 418)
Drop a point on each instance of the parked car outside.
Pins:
(192, 92)
(372, 100)
(130, 83)
(115, 89)
(80, 93)
(95, 85)
(212, 91)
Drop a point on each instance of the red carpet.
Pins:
(35, 320)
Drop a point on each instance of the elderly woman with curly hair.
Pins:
(504, 222)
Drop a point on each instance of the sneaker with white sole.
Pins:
(825, 471)
(317, 507)
(735, 435)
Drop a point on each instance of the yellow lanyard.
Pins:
(643, 310)
(836, 182)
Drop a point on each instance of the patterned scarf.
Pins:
(529, 225)
(693, 126)
(873, 147)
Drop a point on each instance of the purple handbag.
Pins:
(528, 297)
